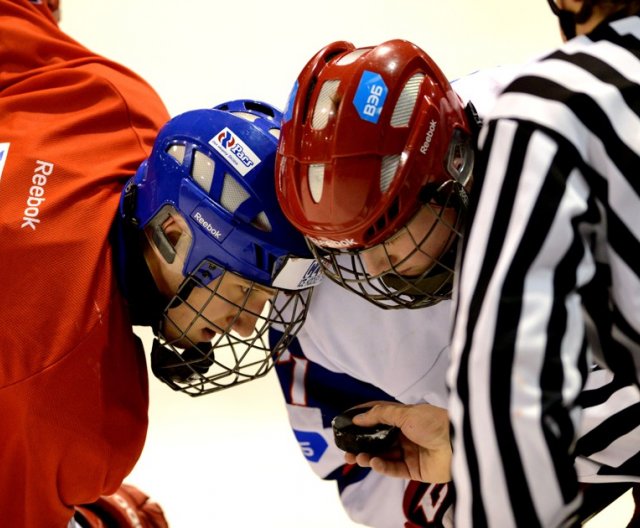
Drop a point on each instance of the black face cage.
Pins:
(390, 289)
(229, 359)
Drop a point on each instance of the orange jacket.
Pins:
(74, 127)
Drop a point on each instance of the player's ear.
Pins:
(169, 237)
(165, 236)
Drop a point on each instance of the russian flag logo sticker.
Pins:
(235, 151)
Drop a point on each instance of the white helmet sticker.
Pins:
(235, 151)
(298, 274)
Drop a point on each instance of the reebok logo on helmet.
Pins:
(336, 244)
(219, 233)
(427, 139)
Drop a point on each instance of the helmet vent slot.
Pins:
(384, 220)
(350, 58)
(307, 99)
(233, 195)
(255, 106)
(262, 222)
(388, 171)
(369, 233)
(202, 170)
(393, 210)
(271, 262)
(246, 116)
(176, 151)
(326, 105)
(407, 101)
(259, 255)
(316, 181)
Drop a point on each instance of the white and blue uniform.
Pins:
(349, 352)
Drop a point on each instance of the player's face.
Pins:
(416, 247)
(228, 303)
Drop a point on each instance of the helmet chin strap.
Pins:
(171, 366)
(566, 18)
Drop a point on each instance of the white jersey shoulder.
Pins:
(483, 87)
(403, 352)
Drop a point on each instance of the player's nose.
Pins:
(246, 322)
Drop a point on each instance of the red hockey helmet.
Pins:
(365, 131)
(370, 136)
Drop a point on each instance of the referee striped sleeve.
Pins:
(545, 285)
(520, 229)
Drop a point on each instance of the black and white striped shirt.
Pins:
(550, 277)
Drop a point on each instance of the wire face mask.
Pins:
(215, 336)
(412, 269)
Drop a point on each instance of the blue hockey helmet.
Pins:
(214, 168)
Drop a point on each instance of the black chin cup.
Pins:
(174, 367)
(436, 284)
(429, 288)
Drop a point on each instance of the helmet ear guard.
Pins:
(165, 247)
(474, 119)
(170, 234)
